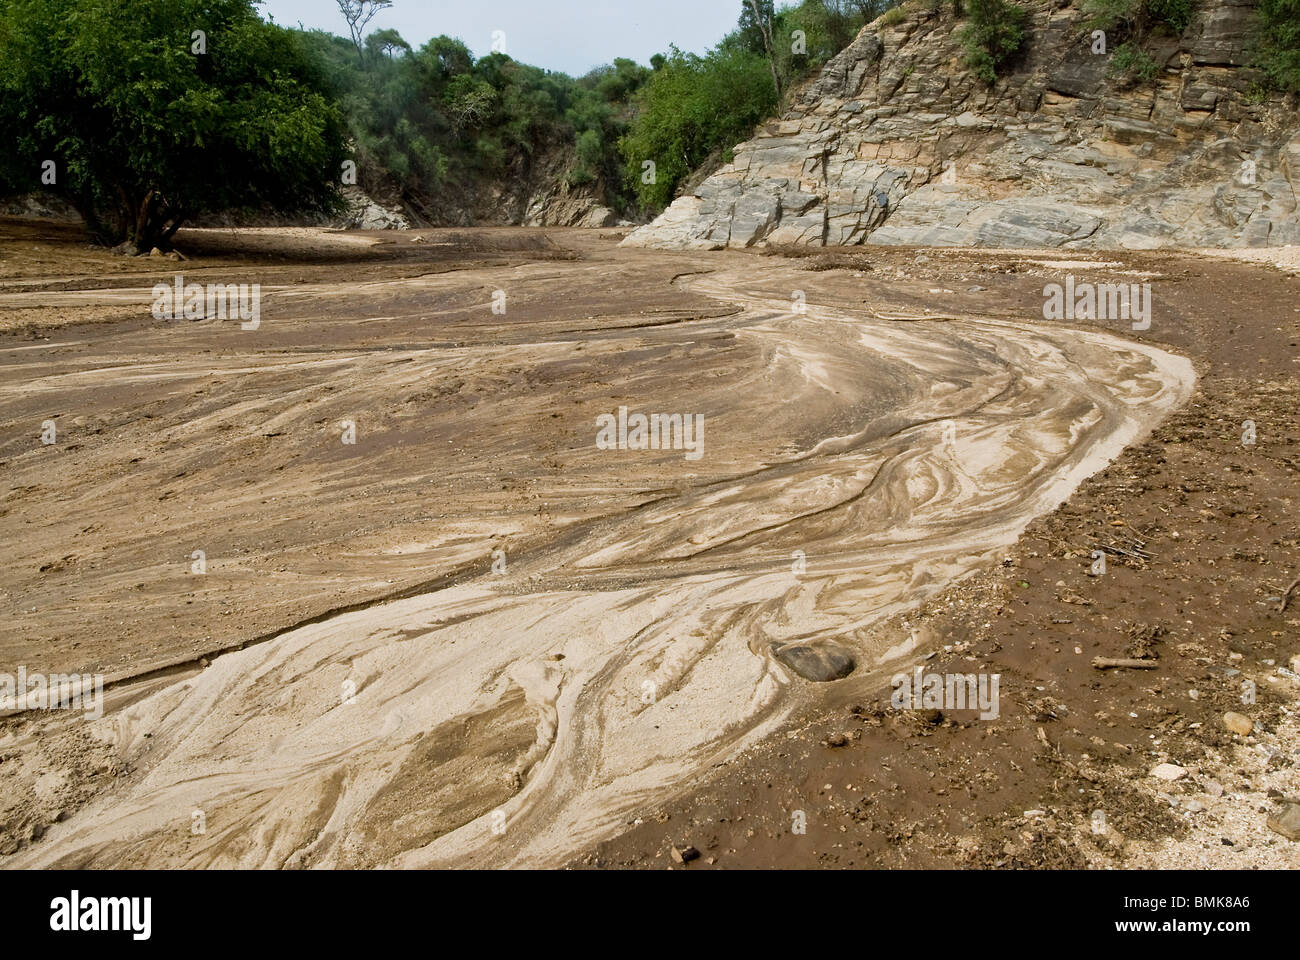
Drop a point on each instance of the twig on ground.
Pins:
(1104, 663)
(1286, 595)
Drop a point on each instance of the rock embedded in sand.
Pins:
(685, 854)
(1287, 821)
(821, 663)
(1238, 724)
(1168, 771)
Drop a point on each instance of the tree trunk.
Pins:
(766, 30)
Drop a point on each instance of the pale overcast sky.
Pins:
(568, 35)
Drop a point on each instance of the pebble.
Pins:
(685, 854)
(1214, 788)
(1168, 771)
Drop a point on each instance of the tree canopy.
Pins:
(146, 113)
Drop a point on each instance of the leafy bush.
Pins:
(1133, 21)
(1175, 14)
(1140, 17)
(1131, 63)
(689, 108)
(993, 36)
(1279, 42)
(894, 16)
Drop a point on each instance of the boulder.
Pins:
(819, 662)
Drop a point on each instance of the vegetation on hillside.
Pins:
(435, 119)
(1129, 24)
(110, 91)
(112, 104)
(1279, 43)
(694, 109)
(993, 34)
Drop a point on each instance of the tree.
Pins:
(690, 108)
(143, 132)
(469, 100)
(757, 15)
(358, 14)
(386, 43)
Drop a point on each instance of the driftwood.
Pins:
(1103, 663)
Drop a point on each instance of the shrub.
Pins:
(1139, 17)
(993, 36)
(1131, 63)
(893, 16)
(690, 107)
(1278, 47)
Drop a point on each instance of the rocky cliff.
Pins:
(897, 143)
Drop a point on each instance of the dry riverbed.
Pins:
(472, 637)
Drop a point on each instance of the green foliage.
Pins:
(1278, 48)
(694, 108)
(1132, 64)
(427, 120)
(1175, 14)
(146, 133)
(992, 36)
(1140, 17)
(1134, 21)
(1108, 14)
(689, 108)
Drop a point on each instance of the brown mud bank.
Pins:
(473, 637)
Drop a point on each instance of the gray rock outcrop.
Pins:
(897, 143)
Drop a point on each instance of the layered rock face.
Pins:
(897, 143)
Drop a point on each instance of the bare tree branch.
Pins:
(358, 14)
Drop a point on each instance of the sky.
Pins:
(566, 35)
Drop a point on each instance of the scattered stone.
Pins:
(685, 854)
(1238, 724)
(1195, 806)
(1169, 772)
(1287, 821)
(835, 740)
(1214, 788)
